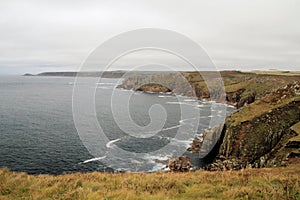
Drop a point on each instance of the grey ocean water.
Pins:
(38, 135)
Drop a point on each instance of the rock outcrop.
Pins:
(223, 164)
(153, 87)
(195, 146)
(28, 74)
(179, 164)
(246, 100)
(258, 134)
(263, 133)
(241, 88)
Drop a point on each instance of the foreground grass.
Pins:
(276, 183)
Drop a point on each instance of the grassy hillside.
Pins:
(238, 85)
(275, 183)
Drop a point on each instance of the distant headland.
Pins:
(107, 74)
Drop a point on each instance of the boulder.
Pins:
(179, 164)
(195, 146)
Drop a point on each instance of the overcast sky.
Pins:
(37, 36)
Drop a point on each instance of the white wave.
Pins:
(164, 96)
(103, 87)
(158, 167)
(176, 102)
(172, 127)
(135, 161)
(186, 143)
(110, 143)
(125, 90)
(190, 100)
(150, 92)
(231, 106)
(183, 120)
(204, 117)
(203, 106)
(153, 158)
(183, 103)
(167, 96)
(167, 169)
(94, 159)
(105, 83)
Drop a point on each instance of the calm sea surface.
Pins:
(38, 135)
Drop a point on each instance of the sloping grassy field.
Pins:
(267, 183)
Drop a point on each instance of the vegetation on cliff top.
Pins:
(238, 85)
(264, 133)
(276, 183)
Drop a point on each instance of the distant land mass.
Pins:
(106, 74)
(120, 73)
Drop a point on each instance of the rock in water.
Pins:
(153, 87)
(179, 164)
(195, 146)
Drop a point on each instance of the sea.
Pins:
(38, 134)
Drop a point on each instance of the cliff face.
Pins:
(153, 88)
(261, 133)
(250, 140)
(241, 88)
(264, 133)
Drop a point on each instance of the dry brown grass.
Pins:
(276, 183)
(278, 73)
(256, 109)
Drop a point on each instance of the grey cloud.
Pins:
(237, 34)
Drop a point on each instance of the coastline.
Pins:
(241, 86)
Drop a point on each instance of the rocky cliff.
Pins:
(241, 88)
(262, 134)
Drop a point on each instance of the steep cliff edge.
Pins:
(264, 133)
(241, 87)
(261, 133)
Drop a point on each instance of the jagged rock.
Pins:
(179, 164)
(153, 87)
(195, 146)
(226, 164)
(255, 130)
(262, 140)
(249, 99)
(234, 96)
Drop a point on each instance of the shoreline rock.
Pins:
(267, 139)
(271, 138)
(195, 146)
(179, 164)
(154, 88)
